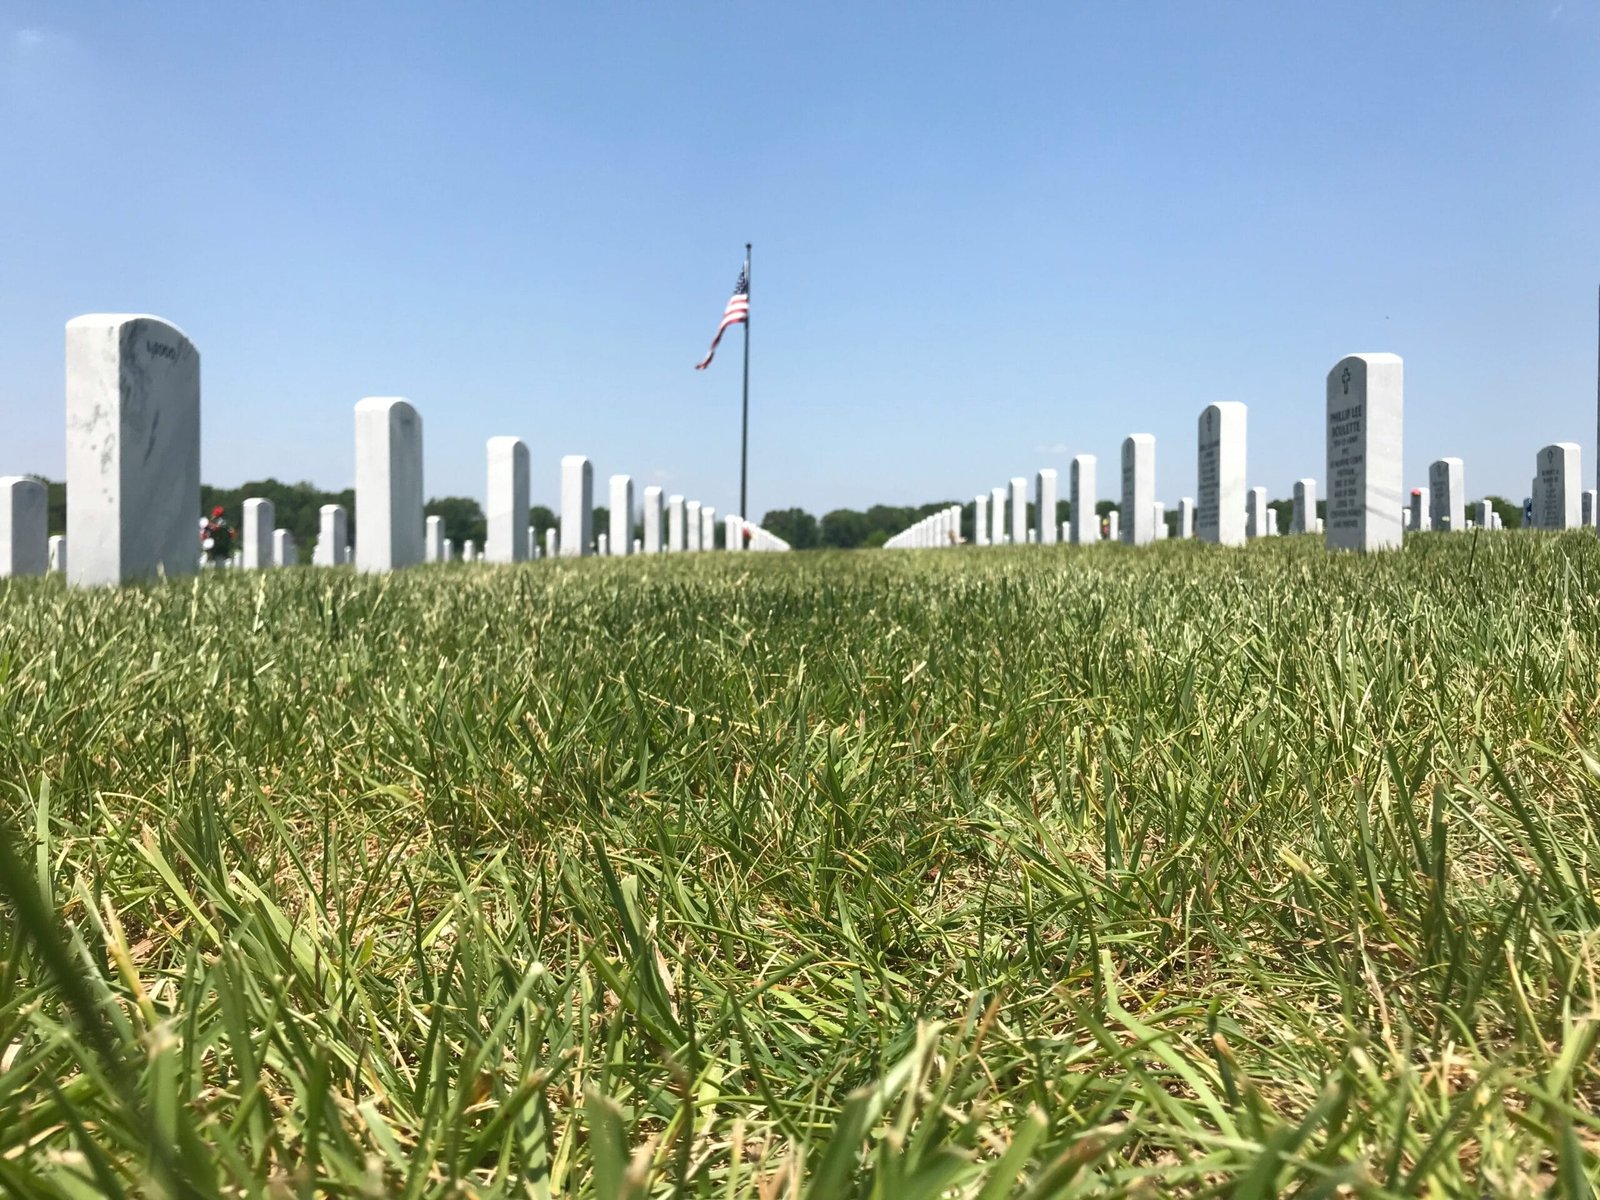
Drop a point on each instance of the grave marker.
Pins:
(433, 540)
(1447, 495)
(1365, 428)
(1080, 495)
(1044, 502)
(652, 520)
(1557, 503)
(676, 538)
(1139, 488)
(1220, 514)
(620, 540)
(577, 506)
(388, 484)
(24, 526)
(58, 554)
(1305, 506)
(133, 449)
(333, 532)
(507, 540)
(255, 539)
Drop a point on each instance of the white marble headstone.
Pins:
(1019, 511)
(24, 526)
(507, 508)
(1139, 488)
(1558, 502)
(691, 521)
(388, 484)
(1365, 432)
(133, 449)
(652, 520)
(1305, 506)
(1081, 496)
(255, 538)
(284, 551)
(677, 525)
(1186, 517)
(433, 540)
(1220, 514)
(58, 554)
(980, 520)
(620, 539)
(1447, 495)
(333, 531)
(577, 506)
(1044, 502)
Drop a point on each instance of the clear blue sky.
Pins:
(987, 236)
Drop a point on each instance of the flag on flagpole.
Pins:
(737, 313)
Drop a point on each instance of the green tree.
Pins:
(463, 519)
(795, 526)
(843, 529)
(1510, 514)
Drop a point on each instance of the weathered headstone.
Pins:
(1220, 514)
(333, 531)
(1305, 505)
(577, 506)
(652, 520)
(1081, 496)
(433, 540)
(1557, 503)
(1447, 495)
(284, 552)
(255, 538)
(388, 484)
(133, 449)
(1255, 516)
(1186, 517)
(24, 526)
(1044, 503)
(1139, 487)
(980, 520)
(691, 520)
(677, 537)
(620, 541)
(58, 554)
(507, 539)
(1365, 431)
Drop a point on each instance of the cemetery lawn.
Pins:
(987, 873)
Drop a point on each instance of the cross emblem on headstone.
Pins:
(1344, 378)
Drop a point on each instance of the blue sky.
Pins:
(987, 236)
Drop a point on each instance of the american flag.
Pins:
(737, 313)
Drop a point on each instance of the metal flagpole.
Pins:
(744, 428)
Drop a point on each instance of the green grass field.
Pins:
(990, 873)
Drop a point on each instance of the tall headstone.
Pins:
(1485, 515)
(1113, 526)
(388, 484)
(1158, 520)
(1447, 494)
(284, 552)
(1589, 517)
(133, 449)
(1220, 515)
(255, 538)
(1019, 511)
(58, 554)
(1186, 517)
(1366, 425)
(980, 520)
(733, 532)
(433, 540)
(577, 506)
(533, 543)
(620, 541)
(24, 526)
(1255, 515)
(708, 527)
(1081, 496)
(1139, 488)
(652, 520)
(1305, 506)
(552, 542)
(997, 516)
(677, 538)
(507, 514)
(333, 531)
(1557, 502)
(691, 521)
(1044, 502)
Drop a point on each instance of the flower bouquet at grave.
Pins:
(216, 537)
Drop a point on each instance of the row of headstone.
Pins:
(937, 529)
